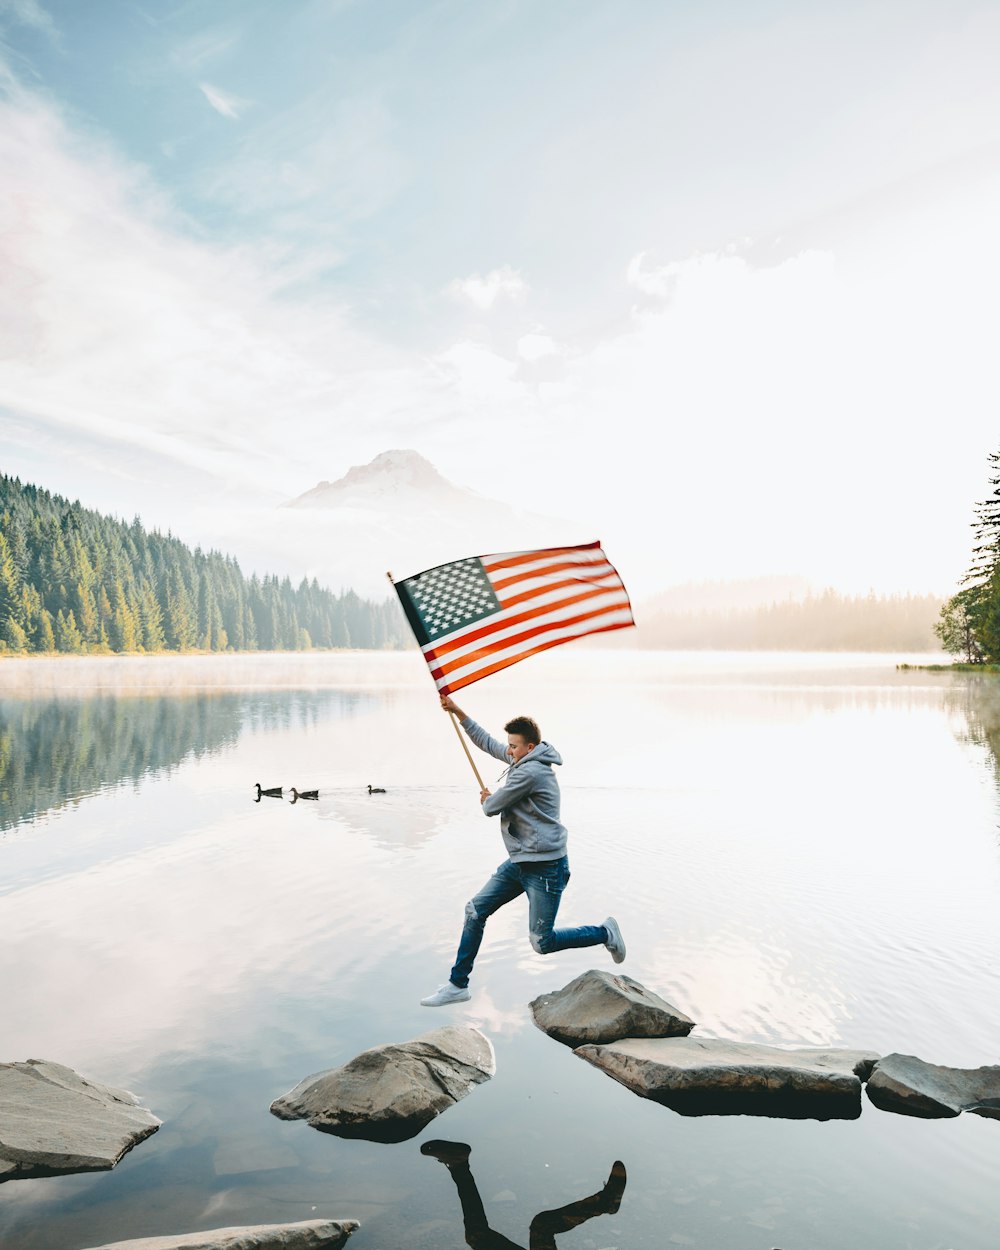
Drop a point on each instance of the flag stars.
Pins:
(452, 596)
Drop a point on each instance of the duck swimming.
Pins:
(375, 790)
(304, 794)
(273, 793)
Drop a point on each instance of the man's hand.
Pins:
(449, 705)
(484, 795)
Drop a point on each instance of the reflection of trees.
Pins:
(977, 696)
(54, 751)
(546, 1225)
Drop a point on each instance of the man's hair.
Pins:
(527, 727)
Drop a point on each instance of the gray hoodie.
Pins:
(527, 802)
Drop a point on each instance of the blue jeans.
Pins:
(543, 883)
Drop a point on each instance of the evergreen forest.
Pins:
(73, 580)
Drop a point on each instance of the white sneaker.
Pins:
(448, 993)
(615, 942)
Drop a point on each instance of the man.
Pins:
(528, 806)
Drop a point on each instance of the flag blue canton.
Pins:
(450, 597)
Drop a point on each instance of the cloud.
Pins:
(230, 106)
(483, 293)
(824, 409)
(28, 13)
(536, 345)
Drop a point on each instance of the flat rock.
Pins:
(391, 1092)
(307, 1235)
(909, 1086)
(53, 1120)
(605, 1007)
(707, 1076)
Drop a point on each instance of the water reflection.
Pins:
(978, 697)
(545, 1227)
(57, 751)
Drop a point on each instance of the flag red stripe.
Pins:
(585, 572)
(505, 621)
(442, 670)
(511, 601)
(451, 687)
(527, 557)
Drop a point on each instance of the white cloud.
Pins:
(483, 293)
(223, 102)
(826, 413)
(28, 13)
(536, 345)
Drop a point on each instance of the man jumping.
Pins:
(528, 806)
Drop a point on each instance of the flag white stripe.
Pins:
(556, 600)
(619, 616)
(512, 637)
(554, 556)
(604, 577)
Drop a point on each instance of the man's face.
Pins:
(518, 747)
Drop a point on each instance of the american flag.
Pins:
(476, 616)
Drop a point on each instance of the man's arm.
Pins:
(478, 735)
(519, 783)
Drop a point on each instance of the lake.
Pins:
(800, 849)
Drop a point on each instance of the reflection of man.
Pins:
(535, 838)
(545, 1227)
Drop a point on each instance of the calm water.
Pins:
(800, 849)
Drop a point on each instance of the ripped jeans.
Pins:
(543, 883)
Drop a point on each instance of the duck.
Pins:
(304, 794)
(273, 793)
(375, 790)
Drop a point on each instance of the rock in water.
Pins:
(389, 1093)
(53, 1120)
(909, 1086)
(307, 1235)
(605, 1007)
(705, 1076)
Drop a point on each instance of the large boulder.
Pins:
(604, 1007)
(706, 1076)
(53, 1120)
(908, 1085)
(390, 1093)
(307, 1235)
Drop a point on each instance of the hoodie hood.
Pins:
(544, 753)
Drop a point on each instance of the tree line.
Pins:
(73, 580)
(969, 625)
(823, 622)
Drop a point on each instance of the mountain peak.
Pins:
(395, 473)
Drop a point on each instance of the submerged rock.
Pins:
(306, 1235)
(604, 1007)
(53, 1120)
(706, 1076)
(391, 1092)
(909, 1086)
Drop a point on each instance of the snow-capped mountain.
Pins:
(396, 513)
(399, 481)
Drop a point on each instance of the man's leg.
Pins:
(478, 1234)
(504, 885)
(544, 884)
(547, 1225)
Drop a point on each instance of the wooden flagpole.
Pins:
(455, 724)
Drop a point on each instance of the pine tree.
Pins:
(68, 637)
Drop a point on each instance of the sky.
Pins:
(718, 281)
